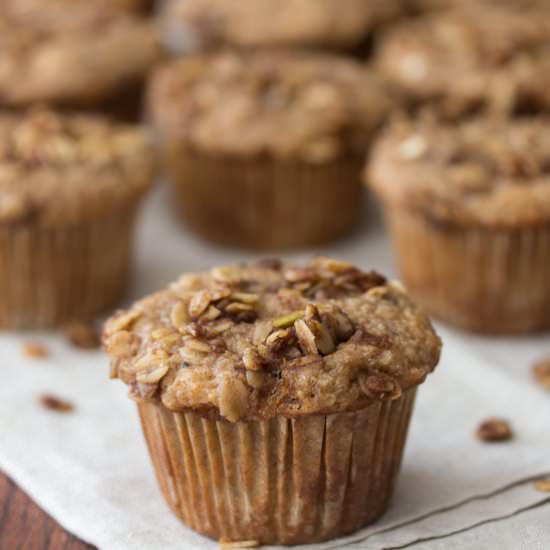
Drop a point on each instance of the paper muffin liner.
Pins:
(262, 203)
(50, 275)
(488, 280)
(279, 481)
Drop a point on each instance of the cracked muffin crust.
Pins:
(269, 339)
(78, 60)
(475, 58)
(485, 171)
(286, 105)
(329, 23)
(57, 169)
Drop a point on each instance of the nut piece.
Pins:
(53, 403)
(35, 350)
(494, 430)
(228, 544)
(542, 485)
(286, 321)
(306, 338)
(379, 386)
(233, 399)
(541, 372)
(81, 335)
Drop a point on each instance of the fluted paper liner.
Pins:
(284, 480)
(265, 203)
(50, 275)
(492, 280)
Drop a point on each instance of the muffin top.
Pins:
(267, 339)
(475, 58)
(330, 23)
(494, 172)
(423, 5)
(76, 61)
(63, 168)
(287, 105)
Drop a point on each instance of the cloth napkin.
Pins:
(90, 469)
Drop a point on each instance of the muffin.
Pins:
(476, 59)
(334, 24)
(263, 150)
(468, 206)
(69, 190)
(84, 59)
(275, 398)
(430, 5)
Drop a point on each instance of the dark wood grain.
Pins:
(25, 526)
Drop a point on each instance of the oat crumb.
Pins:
(541, 372)
(53, 403)
(35, 350)
(542, 485)
(493, 430)
(81, 335)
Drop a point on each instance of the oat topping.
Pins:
(311, 106)
(485, 171)
(541, 372)
(494, 430)
(502, 56)
(82, 335)
(257, 340)
(53, 403)
(55, 166)
(337, 23)
(35, 350)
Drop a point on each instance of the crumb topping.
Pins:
(76, 61)
(337, 23)
(259, 340)
(305, 105)
(57, 167)
(486, 171)
(502, 57)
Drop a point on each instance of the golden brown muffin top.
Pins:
(494, 172)
(63, 168)
(482, 58)
(76, 62)
(304, 105)
(268, 339)
(423, 5)
(248, 23)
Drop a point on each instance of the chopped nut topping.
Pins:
(542, 485)
(35, 350)
(306, 338)
(288, 320)
(82, 335)
(379, 386)
(494, 430)
(53, 403)
(541, 372)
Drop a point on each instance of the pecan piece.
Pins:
(53, 403)
(541, 372)
(494, 430)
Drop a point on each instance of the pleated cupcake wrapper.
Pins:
(484, 279)
(284, 480)
(263, 203)
(52, 275)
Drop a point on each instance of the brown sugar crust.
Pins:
(304, 105)
(268, 339)
(473, 58)
(77, 61)
(334, 23)
(488, 172)
(67, 168)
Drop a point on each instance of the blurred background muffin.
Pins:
(69, 191)
(264, 149)
(478, 58)
(468, 206)
(78, 55)
(334, 24)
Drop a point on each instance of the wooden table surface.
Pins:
(24, 526)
